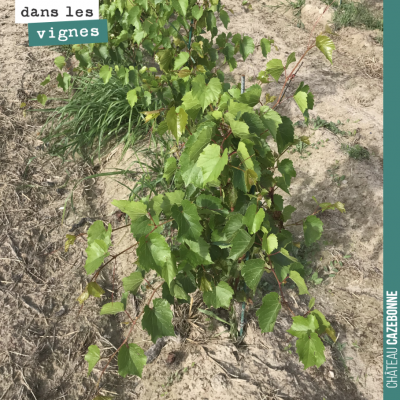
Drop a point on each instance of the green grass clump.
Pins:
(96, 119)
(356, 15)
(357, 152)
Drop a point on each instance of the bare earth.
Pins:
(43, 337)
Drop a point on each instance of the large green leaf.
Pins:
(269, 243)
(271, 120)
(169, 169)
(181, 60)
(134, 209)
(112, 308)
(96, 253)
(154, 253)
(180, 6)
(313, 228)
(197, 12)
(92, 357)
(60, 62)
(203, 137)
(206, 93)
(98, 232)
(177, 122)
(246, 47)
(132, 282)
(196, 253)
(303, 325)
(212, 163)
(244, 155)
(285, 167)
(187, 218)
(131, 360)
(268, 312)
(310, 350)
(275, 68)
(326, 45)
(95, 290)
(265, 46)
(299, 281)
(219, 296)
(252, 272)
(224, 18)
(285, 134)
(253, 218)
(251, 96)
(170, 199)
(241, 243)
(157, 321)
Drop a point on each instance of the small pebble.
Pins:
(331, 374)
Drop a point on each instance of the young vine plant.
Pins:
(223, 222)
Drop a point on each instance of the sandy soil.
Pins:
(44, 339)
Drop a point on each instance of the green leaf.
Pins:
(177, 122)
(275, 68)
(112, 308)
(246, 47)
(271, 120)
(301, 100)
(290, 59)
(328, 206)
(42, 99)
(241, 243)
(286, 169)
(270, 243)
(187, 218)
(131, 360)
(206, 94)
(219, 296)
(234, 223)
(303, 325)
(98, 232)
(169, 169)
(105, 73)
(180, 6)
(170, 199)
(250, 178)
(157, 321)
(253, 218)
(268, 312)
(134, 209)
(96, 253)
(132, 282)
(132, 97)
(165, 59)
(326, 46)
(252, 272)
(244, 155)
(64, 81)
(203, 137)
(254, 123)
(198, 252)
(310, 350)
(311, 303)
(224, 18)
(313, 228)
(285, 134)
(323, 325)
(299, 281)
(69, 242)
(134, 17)
(212, 163)
(265, 47)
(60, 62)
(287, 212)
(46, 81)
(92, 357)
(83, 296)
(154, 253)
(181, 60)
(94, 289)
(251, 96)
(197, 12)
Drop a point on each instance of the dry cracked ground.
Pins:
(44, 337)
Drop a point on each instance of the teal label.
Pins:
(68, 32)
(391, 214)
